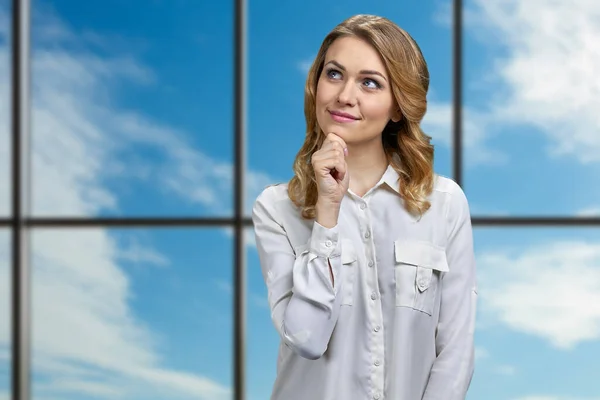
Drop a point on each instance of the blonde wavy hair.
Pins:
(407, 147)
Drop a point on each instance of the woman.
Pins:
(367, 253)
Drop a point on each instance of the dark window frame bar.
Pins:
(239, 277)
(20, 224)
(457, 90)
(246, 222)
(20, 278)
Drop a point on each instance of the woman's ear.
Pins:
(397, 115)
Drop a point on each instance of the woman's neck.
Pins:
(366, 165)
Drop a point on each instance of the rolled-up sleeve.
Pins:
(302, 297)
(453, 368)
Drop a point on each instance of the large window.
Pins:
(136, 136)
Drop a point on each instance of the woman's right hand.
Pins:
(331, 173)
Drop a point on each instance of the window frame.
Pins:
(21, 224)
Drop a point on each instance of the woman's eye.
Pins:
(371, 84)
(333, 74)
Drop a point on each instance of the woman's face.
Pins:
(354, 98)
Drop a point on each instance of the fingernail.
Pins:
(345, 151)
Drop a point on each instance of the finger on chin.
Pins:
(332, 136)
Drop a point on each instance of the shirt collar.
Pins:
(390, 178)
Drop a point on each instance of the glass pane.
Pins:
(5, 316)
(263, 340)
(278, 66)
(132, 314)
(531, 107)
(5, 109)
(539, 304)
(132, 108)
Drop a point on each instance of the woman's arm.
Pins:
(454, 366)
(302, 296)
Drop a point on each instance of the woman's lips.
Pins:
(339, 116)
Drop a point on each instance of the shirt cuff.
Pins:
(324, 242)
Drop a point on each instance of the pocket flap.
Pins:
(422, 254)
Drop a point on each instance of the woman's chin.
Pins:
(338, 130)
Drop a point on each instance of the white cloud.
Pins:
(546, 65)
(136, 253)
(507, 370)
(481, 353)
(551, 291)
(483, 357)
(592, 211)
(254, 298)
(438, 124)
(541, 75)
(443, 14)
(259, 301)
(249, 237)
(224, 286)
(304, 65)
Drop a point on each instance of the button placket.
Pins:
(374, 308)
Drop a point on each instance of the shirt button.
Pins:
(328, 243)
(377, 363)
(373, 296)
(371, 263)
(377, 328)
(376, 396)
(363, 206)
(367, 234)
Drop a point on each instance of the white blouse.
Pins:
(398, 320)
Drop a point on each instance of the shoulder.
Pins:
(444, 184)
(271, 198)
(455, 199)
(273, 194)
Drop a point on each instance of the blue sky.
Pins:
(133, 116)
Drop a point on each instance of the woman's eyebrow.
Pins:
(363, 72)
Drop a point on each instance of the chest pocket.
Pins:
(417, 270)
(348, 272)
